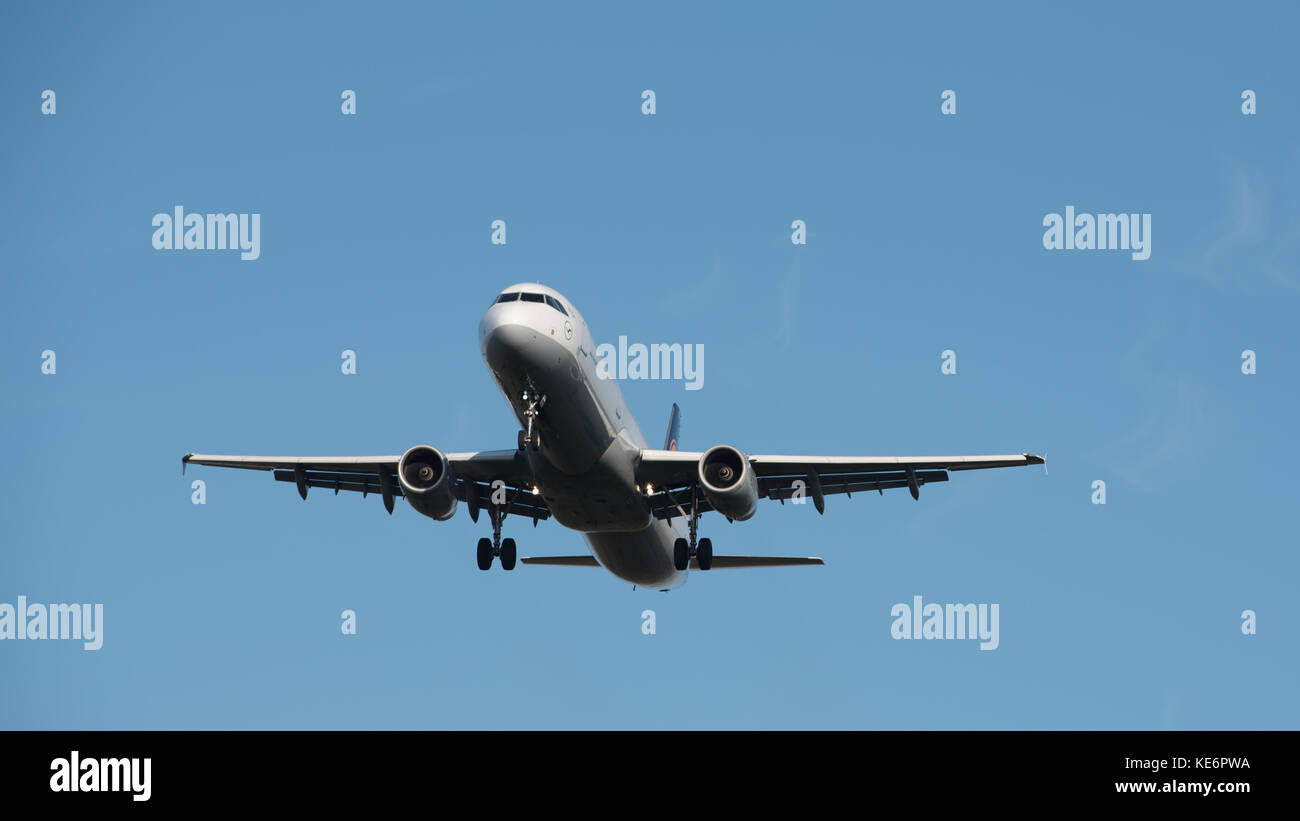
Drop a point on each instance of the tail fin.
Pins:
(674, 428)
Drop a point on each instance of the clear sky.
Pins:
(924, 234)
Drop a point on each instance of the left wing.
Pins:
(673, 474)
(475, 472)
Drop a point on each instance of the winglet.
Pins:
(185, 460)
(1035, 459)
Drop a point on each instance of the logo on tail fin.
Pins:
(674, 427)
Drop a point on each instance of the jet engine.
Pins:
(428, 482)
(728, 482)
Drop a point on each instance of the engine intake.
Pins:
(428, 482)
(728, 482)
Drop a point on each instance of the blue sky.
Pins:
(924, 234)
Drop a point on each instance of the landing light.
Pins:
(649, 488)
(534, 490)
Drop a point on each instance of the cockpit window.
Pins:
(527, 297)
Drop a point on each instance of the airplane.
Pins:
(581, 458)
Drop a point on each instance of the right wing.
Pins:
(475, 472)
(673, 473)
(719, 562)
(730, 562)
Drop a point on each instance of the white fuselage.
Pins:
(589, 441)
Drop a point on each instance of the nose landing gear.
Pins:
(534, 404)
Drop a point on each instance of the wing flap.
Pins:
(562, 561)
(356, 482)
(734, 562)
(784, 488)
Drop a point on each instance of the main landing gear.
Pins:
(701, 550)
(488, 549)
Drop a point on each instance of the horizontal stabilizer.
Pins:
(562, 561)
(724, 562)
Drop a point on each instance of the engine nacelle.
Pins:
(428, 482)
(728, 482)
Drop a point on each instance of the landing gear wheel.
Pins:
(484, 554)
(508, 554)
(523, 441)
(681, 554)
(704, 554)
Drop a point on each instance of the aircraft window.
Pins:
(555, 303)
(527, 297)
(510, 297)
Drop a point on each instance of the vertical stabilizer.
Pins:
(674, 428)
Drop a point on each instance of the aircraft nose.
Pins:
(507, 342)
